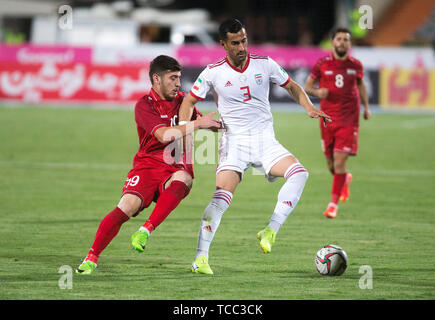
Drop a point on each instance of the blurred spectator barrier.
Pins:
(38, 74)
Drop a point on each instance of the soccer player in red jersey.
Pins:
(341, 87)
(157, 175)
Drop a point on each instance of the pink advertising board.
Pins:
(36, 83)
(286, 56)
(29, 54)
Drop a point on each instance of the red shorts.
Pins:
(147, 181)
(340, 139)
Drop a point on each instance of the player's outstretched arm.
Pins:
(364, 97)
(301, 97)
(169, 134)
(202, 122)
(186, 109)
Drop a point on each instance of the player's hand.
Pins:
(316, 113)
(208, 122)
(367, 114)
(323, 93)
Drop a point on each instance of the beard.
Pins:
(239, 58)
(168, 93)
(340, 53)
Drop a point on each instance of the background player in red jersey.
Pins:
(340, 89)
(156, 175)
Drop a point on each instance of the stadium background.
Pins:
(68, 84)
(110, 44)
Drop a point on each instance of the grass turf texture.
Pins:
(62, 171)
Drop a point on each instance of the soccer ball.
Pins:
(331, 260)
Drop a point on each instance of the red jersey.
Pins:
(340, 78)
(151, 113)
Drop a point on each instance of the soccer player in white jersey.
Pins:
(240, 84)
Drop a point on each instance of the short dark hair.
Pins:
(231, 26)
(163, 64)
(340, 30)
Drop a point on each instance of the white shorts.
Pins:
(261, 151)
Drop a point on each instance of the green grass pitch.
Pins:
(62, 171)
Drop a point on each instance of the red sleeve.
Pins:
(195, 113)
(147, 118)
(315, 71)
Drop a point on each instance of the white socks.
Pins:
(288, 197)
(211, 219)
(142, 228)
(296, 176)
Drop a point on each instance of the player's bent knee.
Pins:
(340, 168)
(228, 180)
(129, 204)
(229, 188)
(184, 177)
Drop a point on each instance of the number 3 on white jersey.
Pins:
(246, 93)
(339, 80)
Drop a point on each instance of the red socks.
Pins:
(111, 224)
(337, 184)
(107, 230)
(168, 201)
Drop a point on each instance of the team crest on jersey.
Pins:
(259, 78)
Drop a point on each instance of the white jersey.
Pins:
(242, 95)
